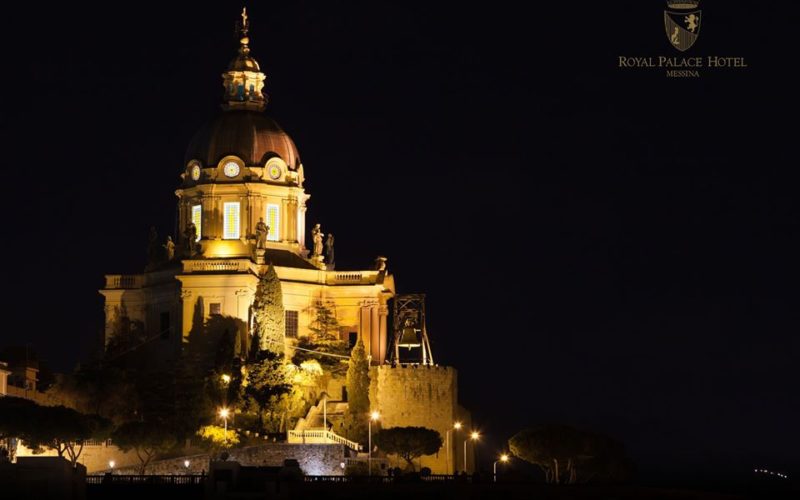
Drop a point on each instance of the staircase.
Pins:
(313, 429)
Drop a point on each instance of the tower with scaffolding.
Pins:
(411, 345)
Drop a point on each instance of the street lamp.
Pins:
(456, 426)
(111, 465)
(373, 417)
(226, 379)
(503, 458)
(224, 412)
(474, 435)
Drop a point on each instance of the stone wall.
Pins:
(94, 457)
(314, 459)
(423, 396)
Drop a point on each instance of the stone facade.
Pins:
(314, 459)
(423, 396)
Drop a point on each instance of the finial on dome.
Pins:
(244, 29)
(244, 81)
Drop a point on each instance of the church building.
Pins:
(241, 207)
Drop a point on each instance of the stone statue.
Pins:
(169, 246)
(262, 231)
(380, 264)
(190, 238)
(316, 236)
(329, 251)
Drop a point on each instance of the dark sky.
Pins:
(610, 248)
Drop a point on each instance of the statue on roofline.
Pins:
(329, 257)
(316, 236)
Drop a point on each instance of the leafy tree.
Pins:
(57, 427)
(323, 343)
(568, 455)
(268, 313)
(215, 438)
(266, 384)
(147, 440)
(324, 328)
(126, 333)
(100, 388)
(409, 442)
(17, 415)
(357, 394)
(331, 356)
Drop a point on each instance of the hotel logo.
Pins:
(682, 23)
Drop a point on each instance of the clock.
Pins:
(195, 172)
(231, 169)
(275, 172)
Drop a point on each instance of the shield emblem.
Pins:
(683, 27)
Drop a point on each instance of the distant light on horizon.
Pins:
(771, 473)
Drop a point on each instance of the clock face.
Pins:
(231, 169)
(274, 172)
(195, 172)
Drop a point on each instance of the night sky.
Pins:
(604, 247)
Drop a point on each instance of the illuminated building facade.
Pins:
(242, 173)
(242, 169)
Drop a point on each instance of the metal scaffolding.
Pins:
(410, 333)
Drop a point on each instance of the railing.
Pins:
(348, 277)
(217, 265)
(146, 479)
(320, 436)
(94, 442)
(382, 478)
(353, 277)
(124, 281)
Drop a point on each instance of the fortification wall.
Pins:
(422, 396)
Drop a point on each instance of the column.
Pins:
(292, 219)
(383, 313)
(284, 217)
(301, 225)
(187, 303)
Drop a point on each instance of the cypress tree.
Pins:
(269, 324)
(357, 393)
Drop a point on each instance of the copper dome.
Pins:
(250, 135)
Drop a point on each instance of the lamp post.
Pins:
(456, 426)
(224, 412)
(474, 435)
(373, 417)
(503, 458)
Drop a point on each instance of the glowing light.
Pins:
(111, 464)
(457, 426)
(224, 412)
(374, 416)
(226, 378)
(273, 220)
(504, 458)
(230, 230)
(474, 435)
(186, 463)
(197, 219)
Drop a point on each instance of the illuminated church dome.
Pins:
(242, 130)
(249, 135)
